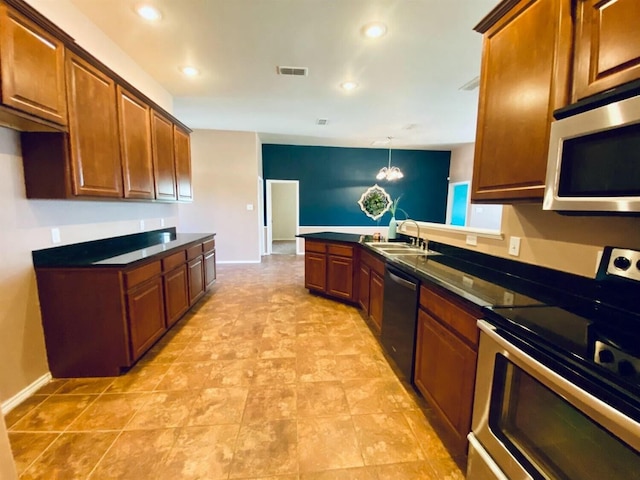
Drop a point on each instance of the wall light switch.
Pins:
(514, 246)
(55, 235)
(141, 225)
(162, 222)
(472, 240)
(250, 206)
(598, 259)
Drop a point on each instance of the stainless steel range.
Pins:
(558, 387)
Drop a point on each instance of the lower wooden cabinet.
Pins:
(371, 286)
(364, 278)
(145, 311)
(196, 279)
(176, 287)
(330, 268)
(445, 364)
(315, 271)
(209, 268)
(376, 294)
(99, 320)
(340, 276)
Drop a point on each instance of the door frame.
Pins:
(269, 220)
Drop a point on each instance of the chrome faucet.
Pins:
(418, 240)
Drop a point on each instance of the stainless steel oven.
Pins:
(538, 416)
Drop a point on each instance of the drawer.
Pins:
(311, 246)
(141, 274)
(372, 261)
(209, 245)
(193, 252)
(458, 318)
(340, 250)
(174, 260)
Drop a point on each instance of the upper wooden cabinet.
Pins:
(134, 118)
(93, 130)
(32, 68)
(607, 51)
(164, 166)
(182, 154)
(524, 78)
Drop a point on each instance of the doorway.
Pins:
(283, 217)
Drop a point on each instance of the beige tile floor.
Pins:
(260, 381)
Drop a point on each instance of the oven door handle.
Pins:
(613, 420)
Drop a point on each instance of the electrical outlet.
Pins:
(55, 235)
(472, 240)
(514, 246)
(250, 206)
(141, 225)
(467, 281)
(162, 222)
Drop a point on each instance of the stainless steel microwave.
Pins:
(594, 159)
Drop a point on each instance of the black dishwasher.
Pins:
(399, 318)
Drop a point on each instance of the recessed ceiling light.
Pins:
(374, 30)
(349, 85)
(190, 71)
(149, 12)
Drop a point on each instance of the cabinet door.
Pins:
(196, 279)
(93, 131)
(524, 78)
(376, 294)
(176, 295)
(445, 374)
(135, 145)
(340, 276)
(164, 167)
(363, 287)
(607, 45)
(33, 76)
(145, 305)
(182, 153)
(315, 271)
(209, 268)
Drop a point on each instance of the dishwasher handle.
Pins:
(401, 281)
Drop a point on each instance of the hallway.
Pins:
(260, 381)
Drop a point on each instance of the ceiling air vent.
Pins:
(294, 71)
(322, 121)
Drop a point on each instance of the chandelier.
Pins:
(389, 173)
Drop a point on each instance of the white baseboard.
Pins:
(25, 393)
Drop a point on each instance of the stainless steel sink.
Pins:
(395, 248)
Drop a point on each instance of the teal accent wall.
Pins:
(332, 179)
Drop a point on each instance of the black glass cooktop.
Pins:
(602, 339)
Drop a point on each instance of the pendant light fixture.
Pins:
(389, 173)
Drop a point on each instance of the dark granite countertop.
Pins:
(484, 280)
(123, 251)
(333, 237)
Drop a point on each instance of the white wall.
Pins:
(283, 210)
(225, 168)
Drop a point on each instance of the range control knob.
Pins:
(626, 368)
(605, 356)
(622, 263)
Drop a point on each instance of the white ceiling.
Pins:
(409, 79)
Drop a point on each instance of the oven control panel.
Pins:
(616, 360)
(624, 262)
